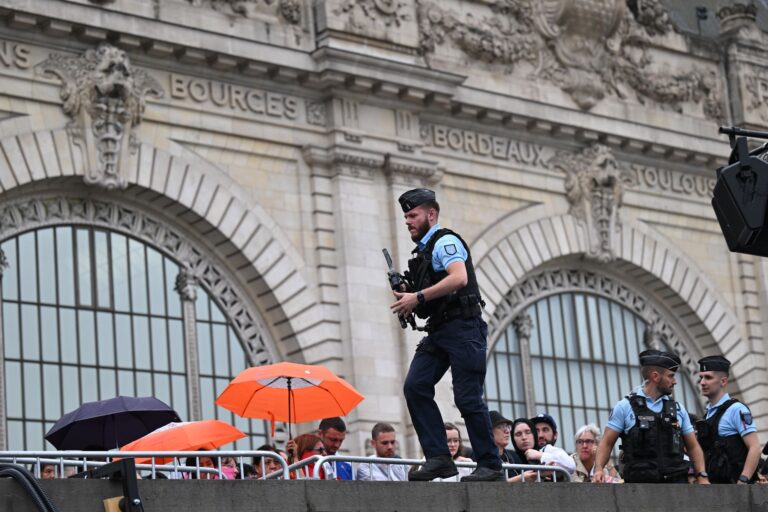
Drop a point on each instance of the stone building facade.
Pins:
(258, 147)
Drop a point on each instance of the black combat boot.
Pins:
(484, 474)
(435, 467)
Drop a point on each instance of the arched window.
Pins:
(89, 314)
(572, 355)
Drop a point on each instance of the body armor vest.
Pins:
(463, 303)
(653, 447)
(724, 456)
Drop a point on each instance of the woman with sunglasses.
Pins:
(307, 445)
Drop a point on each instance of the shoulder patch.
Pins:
(746, 418)
(450, 249)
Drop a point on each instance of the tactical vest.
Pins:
(653, 447)
(724, 456)
(463, 303)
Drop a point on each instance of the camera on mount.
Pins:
(740, 196)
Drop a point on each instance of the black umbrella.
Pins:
(109, 424)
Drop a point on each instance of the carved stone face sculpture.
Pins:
(112, 74)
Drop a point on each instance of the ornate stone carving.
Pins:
(105, 97)
(186, 283)
(590, 49)
(21, 216)
(550, 282)
(374, 17)
(3, 263)
(288, 10)
(317, 113)
(594, 188)
(746, 11)
(523, 325)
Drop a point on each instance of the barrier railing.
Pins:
(522, 468)
(81, 459)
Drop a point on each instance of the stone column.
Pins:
(3, 435)
(186, 286)
(523, 325)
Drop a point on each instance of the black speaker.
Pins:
(740, 197)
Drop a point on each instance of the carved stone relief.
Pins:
(594, 188)
(590, 49)
(658, 331)
(105, 97)
(196, 269)
(379, 19)
(287, 10)
(317, 113)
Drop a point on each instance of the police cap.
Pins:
(413, 198)
(714, 364)
(666, 360)
(545, 418)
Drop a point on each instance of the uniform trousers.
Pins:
(461, 345)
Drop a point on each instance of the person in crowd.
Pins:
(248, 472)
(263, 466)
(307, 445)
(48, 472)
(456, 447)
(332, 432)
(727, 435)
(204, 462)
(384, 443)
(525, 441)
(546, 429)
(446, 293)
(654, 429)
(587, 439)
(502, 433)
(230, 468)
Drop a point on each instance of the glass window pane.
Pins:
(33, 393)
(16, 435)
(46, 265)
(13, 381)
(72, 385)
(49, 326)
(28, 267)
(606, 330)
(141, 342)
(176, 336)
(65, 265)
(87, 337)
(201, 307)
(52, 387)
(220, 350)
(216, 314)
(179, 396)
(594, 328)
(138, 269)
(119, 246)
(162, 387)
(30, 334)
(174, 301)
(207, 397)
(106, 339)
(144, 384)
(491, 380)
(34, 435)
(544, 327)
(68, 332)
(581, 326)
(11, 334)
(10, 283)
(125, 383)
(159, 345)
(236, 353)
(84, 267)
(124, 341)
(517, 378)
(90, 389)
(204, 348)
(103, 275)
(505, 384)
(156, 282)
(107, 384)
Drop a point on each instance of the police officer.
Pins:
(727, 434)
(445, 292)
(653, 428)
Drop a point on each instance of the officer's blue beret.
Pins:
(413, 198)
(714, 364)
(666, 360)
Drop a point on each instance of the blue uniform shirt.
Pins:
(447, 249)
(736, 420)
(622, 417)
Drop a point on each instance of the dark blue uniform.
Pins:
(460, 344)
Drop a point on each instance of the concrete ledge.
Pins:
(317, 496)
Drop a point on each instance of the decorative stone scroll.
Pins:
(105, 97)
(594, 188)
(590, 49)
(21, 216)
(550, 282)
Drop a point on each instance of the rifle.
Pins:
(398, 283)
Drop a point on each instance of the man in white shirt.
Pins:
(384, 443)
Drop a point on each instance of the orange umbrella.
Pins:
(289, 392)
(186, 436)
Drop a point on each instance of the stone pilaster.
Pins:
(186, 286)
(523, 325)
(3, 435)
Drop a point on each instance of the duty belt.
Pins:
(451, 314)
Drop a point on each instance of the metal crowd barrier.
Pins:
(81, 459)
(320, 460)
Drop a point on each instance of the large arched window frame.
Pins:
(195, 298)
(566, 342)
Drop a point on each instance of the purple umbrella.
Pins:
(109, 424)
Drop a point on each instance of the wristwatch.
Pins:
(420, 297)
(702, 474)
(744, 478)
